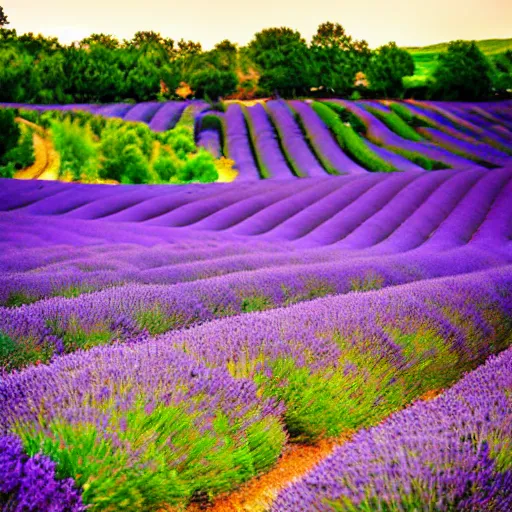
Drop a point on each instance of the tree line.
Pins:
(276, 62)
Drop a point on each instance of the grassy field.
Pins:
(425, 58)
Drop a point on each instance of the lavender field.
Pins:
(165, 347)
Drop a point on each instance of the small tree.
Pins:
(387, 68)
(282, 56)
(213, 83)
(3, 17)
(462, 73)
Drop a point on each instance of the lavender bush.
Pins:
(452, 453)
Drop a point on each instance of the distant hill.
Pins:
(488, 46)
(425, 57)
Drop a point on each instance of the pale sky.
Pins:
(408, 22)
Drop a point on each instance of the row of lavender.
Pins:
(452, 453)
(376, 213)
(143, 425)
(283, 140)
(126, 308)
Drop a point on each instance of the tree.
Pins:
(106, 40)
(3, 18)
(502, 79)
(462, 73)
(213, 83)
(337, 58)
(283, 58)
(388, 65)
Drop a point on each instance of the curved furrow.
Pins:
(339, 225)
(18, 198)
(69, 199)
(238, 145)
(115, 110)
(496, 229)
(114, 201)
(399, 162)
(196, 211)
(468, 215)
(333, 158)
(446, 121)
(246, 209)
(306, 220)
(426, 219)
(167, 117)
(380, 225)
(159, 205)
(280, 212)
(478, 152)
(379, 133)
(271, 161)
(464, 116)
(298, 152)
(143, 112)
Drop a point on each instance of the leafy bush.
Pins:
(200, 167)
(350, 141)
(22, 155)
(10, 131)
(347, 116)
(388, 66)
(77, 149)
(213, 83)
(463, 73)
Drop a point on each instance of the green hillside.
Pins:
(425, 57)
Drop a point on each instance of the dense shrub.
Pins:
(77, 149)
(10, 131)
(463, 73)
(213, 83)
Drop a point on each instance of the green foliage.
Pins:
(256, 303)
(77, 149)
(10, 131)
(74, 337)
(213, 83)
(395, 123)
(371, 281)
(350, 141)
(200, 167)
(19, 298)
(284, 60)
(156, 320)
(347, 116)
(7, 171)
(387, 67)
(402, 111)
(22, 155)
(3, 17)
(311, 137)
(463, 73)
(151, 456)
(337, 58)
(419, 159)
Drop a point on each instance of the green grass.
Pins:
(395, 123)
(425, 58)
(350, 140)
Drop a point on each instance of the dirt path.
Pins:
(46, 164)
(258, 494)
(40, 163)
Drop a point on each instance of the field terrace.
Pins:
(165, 346)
